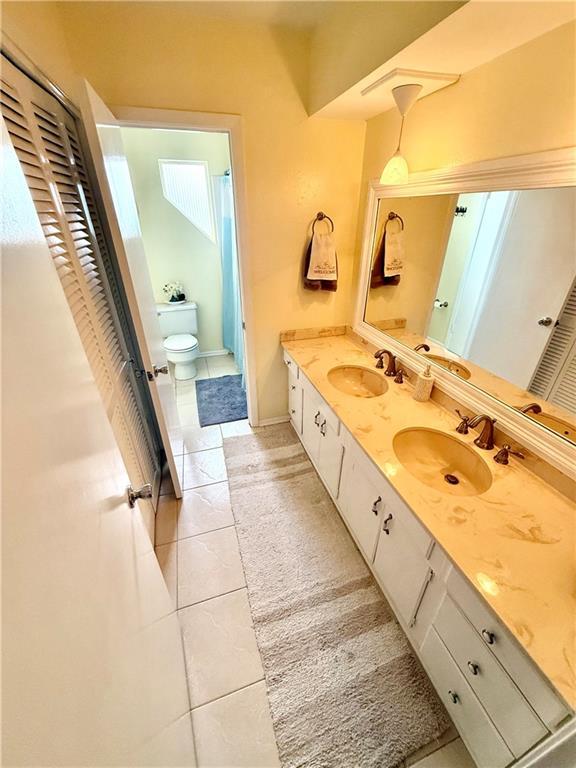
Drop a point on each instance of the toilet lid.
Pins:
(180, 342)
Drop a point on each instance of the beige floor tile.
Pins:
(203, 468)
(236, 731)
(201, 438)
(453, 755)
(224, 370)
(219, 647)
(236, 428)
(188, 414)
(166, 520)
(173, 747)
(168, 560)
(209, 565)
(204, 509)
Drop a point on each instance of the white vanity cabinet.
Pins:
(499, 701)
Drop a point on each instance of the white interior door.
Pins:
(92, 662)
(105, 141)
(530, 282)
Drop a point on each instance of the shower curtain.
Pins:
(232, 332)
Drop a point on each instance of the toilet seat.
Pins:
(180, 342)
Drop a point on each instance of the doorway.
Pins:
(183, 188)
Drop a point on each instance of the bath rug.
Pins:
(345, 688)
(221, 400)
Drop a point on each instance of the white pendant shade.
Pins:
(395, 171)
(405, 96)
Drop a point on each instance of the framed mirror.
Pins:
(478, 280)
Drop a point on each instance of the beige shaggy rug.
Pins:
(344, 686)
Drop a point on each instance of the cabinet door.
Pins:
(361, 505)
(402, 569)
(311, 415)
(295, 402)
(330, 455)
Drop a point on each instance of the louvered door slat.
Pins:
(43, 135)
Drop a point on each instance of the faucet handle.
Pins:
(462, 428)
(502, 456)
(399, 378)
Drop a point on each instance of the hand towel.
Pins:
(394, 253)
(323, 263)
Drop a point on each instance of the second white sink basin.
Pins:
(357, 381)
(442, 462)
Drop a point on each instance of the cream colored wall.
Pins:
(358, 37)
(37, 30)
(427, 222)
(175, 248)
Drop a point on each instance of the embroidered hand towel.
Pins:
(394, 253)
(323, 263)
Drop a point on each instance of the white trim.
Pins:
(555, 168)
(214, 353)
(143, 117)
(274, 420)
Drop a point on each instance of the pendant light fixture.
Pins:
(396, 169)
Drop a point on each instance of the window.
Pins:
(186, 184)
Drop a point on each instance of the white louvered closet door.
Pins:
(45, 138)
(555, 377)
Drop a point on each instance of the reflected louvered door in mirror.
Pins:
(46, 141)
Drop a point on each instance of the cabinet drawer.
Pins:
(547, 705)
(477, 730)
(507, 707)
(295, 395)
(290, 364)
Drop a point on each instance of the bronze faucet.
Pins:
(391, 367)
(502, 455)
(532, 408)
(485, 439)
(425, 347)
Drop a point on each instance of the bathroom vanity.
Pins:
(480, 574)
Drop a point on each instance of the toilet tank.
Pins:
(177, 318)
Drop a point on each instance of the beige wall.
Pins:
(161, 55)
(358, 37)
(427, 222)
(175, 248)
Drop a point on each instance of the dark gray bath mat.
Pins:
(345, 688)
(221, 400)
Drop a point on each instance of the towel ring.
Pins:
(321, 216)
(391, 217)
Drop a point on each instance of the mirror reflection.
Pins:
(486, 283)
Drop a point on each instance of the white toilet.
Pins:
(178, 324)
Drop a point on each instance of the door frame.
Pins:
(145, 117)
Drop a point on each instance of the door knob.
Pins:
(385, 525)
(488, 636)
(142, 493)
(545, 321)
(440, 304)
(160, 369)
(474, 668)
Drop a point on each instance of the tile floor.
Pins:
(198, 552)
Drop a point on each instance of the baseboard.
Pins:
(274, 420)
(214, 353)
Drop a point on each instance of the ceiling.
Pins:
(471, 36)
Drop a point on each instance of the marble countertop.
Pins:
(515, 542)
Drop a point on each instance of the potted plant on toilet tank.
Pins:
(174, 293)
